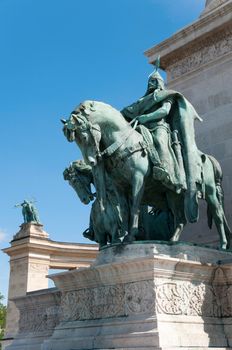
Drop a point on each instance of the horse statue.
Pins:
(107, 228)
(103, 228)
(113, 148)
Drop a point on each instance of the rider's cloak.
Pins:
(181, 118)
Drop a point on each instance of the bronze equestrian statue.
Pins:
(149, 154)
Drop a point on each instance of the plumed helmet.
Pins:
(155, 81)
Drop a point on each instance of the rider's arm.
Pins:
(131, 111)
(160, 113)
(128, 112)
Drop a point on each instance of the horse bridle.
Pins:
(84, 185)
(110, 150)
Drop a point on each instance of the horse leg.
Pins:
(113, 226)
(217, 212)
(227, 231)
(135, 200)
(178, 230)
(97, 223)
(176, 204)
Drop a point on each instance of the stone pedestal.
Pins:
(32, 254)
(27, 272)
(137, 296)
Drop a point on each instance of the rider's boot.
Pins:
(160, 174)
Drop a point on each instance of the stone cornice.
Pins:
(200, 53)
(146, 262)
(211, 5)
(194, 32)
(45, 245)
(59, 254)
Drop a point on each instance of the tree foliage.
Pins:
(2, 317)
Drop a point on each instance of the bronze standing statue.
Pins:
(29, 211)
(149, 156)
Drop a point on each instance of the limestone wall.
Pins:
(135, 296)
(32, 254)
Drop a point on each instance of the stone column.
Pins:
(32, 253)
(198, 63)
(28, 271)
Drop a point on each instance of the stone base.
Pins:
(140, 296)
(31, 229)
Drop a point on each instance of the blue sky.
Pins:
(55, 54)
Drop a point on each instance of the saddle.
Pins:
(159, 172)
(147, 137)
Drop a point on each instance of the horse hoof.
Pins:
(128, 239)
(115, 241)
(224, 246)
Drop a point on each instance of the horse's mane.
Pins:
(82, 167)
(89, 106)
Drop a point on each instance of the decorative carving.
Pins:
(199, 53)
(38, 267)
(212, 5)
(42, 314)
(38, 319)
(85, 304)
(108, 301)
(173, 298)
(185, 298)
(37, 315)
(139, 297)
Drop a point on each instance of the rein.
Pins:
(110, 150)
(117, 144)
(86, 186)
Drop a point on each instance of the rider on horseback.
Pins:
(167, 113)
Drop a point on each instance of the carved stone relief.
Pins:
(38, 267)
(200, 53)
(150, 297)
(185, 298)
(93, 303)
(173, 298)
(37, 315)
(139, 297)
(109, 301)
(213, 4)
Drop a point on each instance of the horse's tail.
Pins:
(219, 192)
(218, 179)
(209, 217)
(217, 170)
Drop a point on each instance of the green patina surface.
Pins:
(29, 211)
(146, 168)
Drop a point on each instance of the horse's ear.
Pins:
(92, 108)
(77, 120)
(87, 111)
(80, 122)
(63, 121)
